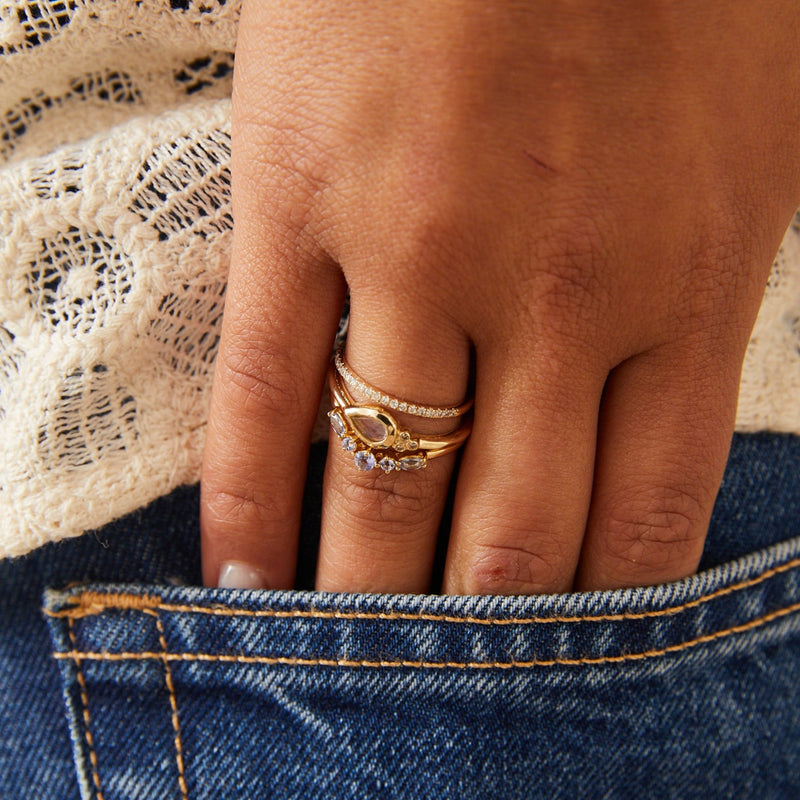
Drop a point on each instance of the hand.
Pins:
(588, 196)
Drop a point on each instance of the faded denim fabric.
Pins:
(685, 690)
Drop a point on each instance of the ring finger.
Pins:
(379, 525)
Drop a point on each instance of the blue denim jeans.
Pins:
(125, 681)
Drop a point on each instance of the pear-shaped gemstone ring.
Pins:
(376, 439)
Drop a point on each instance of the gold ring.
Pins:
(376, 439)
(395, 403)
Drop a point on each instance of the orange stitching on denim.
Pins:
(221, 611)
(316, 662)
(173, 705)
(86, 719)
(87, 604)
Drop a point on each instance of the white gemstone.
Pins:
(403, 407)
(337, 423)
(387, 464)
(413, 410)
(384, 399)
(370, 428)
(348, 444)
(412, 462)
(394, 404)
(365, 461)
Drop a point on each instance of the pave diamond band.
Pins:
(356, 383)
(375, 438)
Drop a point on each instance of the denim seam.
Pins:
(173, 702)
(313, 662)
(93, 603)
(86, 718)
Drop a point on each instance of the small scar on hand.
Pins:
(541, 164)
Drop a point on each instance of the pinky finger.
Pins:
(665, 432)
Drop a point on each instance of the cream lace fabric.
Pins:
(115, 235)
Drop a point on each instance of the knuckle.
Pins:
(424, 246)
(388, 501)
(229, 511)
(567, 288)
(712, 279)
(282, 177)
(260, 379)
(517, 569)
(724, 264)
(659, 531)
(278, 144)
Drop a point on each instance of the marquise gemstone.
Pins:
(412, 462)
(337, 423)
(365, 461)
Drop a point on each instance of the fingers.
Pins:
(665, 429)
(282, 305)
(270, 370)
(379, 529)
(526, 476)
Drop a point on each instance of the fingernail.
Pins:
(238, 575)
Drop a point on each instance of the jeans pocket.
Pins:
(690, 689)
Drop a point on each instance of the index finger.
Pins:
(282, 307)
(275, 345)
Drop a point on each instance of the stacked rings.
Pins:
(374, 436)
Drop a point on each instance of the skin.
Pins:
(586, 196)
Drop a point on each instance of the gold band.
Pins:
(356, 383)
(383, 442)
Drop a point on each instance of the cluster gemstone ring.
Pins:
(374, 436)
